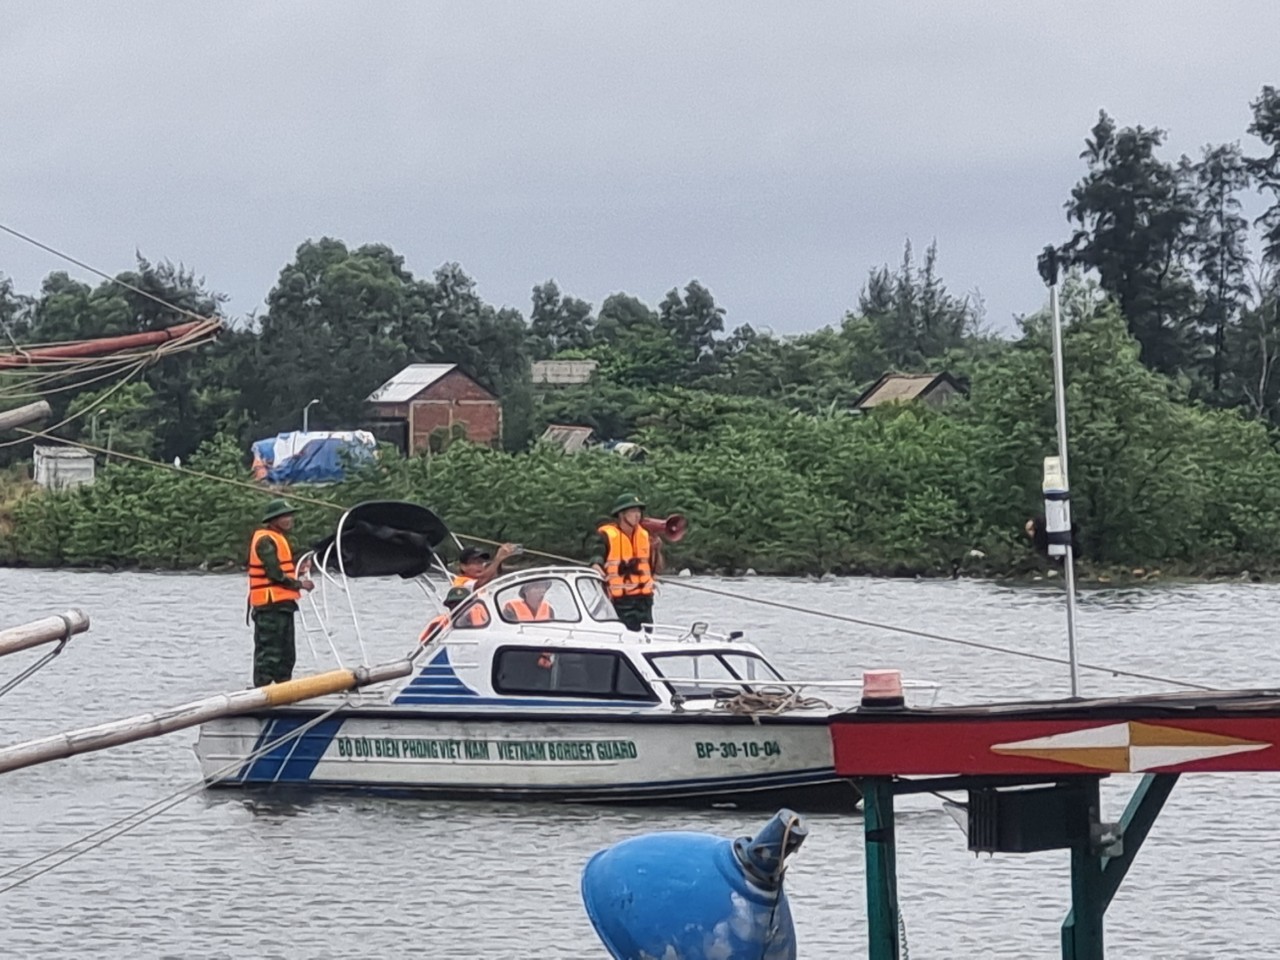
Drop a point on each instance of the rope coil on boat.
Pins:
(767, 701)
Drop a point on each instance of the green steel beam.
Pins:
(1139, 817)
(1082, 930)
(882, 868)
(1096, 878)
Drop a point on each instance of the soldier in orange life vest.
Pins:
(274, 589)
(531, 606)
(475, 569)
(629, 558)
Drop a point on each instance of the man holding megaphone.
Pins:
(629, 558)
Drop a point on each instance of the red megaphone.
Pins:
(672, 529)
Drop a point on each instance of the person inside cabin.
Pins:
(531, 606)
(476, 616)
(274, 589)
(475, 569)
(628, 558)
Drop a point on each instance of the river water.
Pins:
(222, 875)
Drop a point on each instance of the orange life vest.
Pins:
(261, 590)
(626, 569)
(476, 615)
(520, 611)
(434, 625)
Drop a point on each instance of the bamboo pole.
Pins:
(102, 345)
(21, 416)
(144, 726)
(46, 630)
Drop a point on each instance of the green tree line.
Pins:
(905, 489)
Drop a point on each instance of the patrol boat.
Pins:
(571, 707)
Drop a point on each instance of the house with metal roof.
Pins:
(934, 389)
(570, 438)
(440, 400)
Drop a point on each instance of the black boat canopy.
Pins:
(383, 538)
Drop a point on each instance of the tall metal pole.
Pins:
(1060, 398)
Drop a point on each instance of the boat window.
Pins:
(568, 673)
(748, 667)
(597, 602)
(692, 666)
(547, 600)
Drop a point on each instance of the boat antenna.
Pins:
(1057, 488)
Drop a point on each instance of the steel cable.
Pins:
(152, 810)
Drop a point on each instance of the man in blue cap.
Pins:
(274, 590)
(628, 558)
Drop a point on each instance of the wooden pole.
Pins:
(42, 631)
(196, 712)
(21, 416)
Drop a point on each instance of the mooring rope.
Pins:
(44, 660)
(94, 270)
(97, 402)
(941, 638)
(769, 701)
(152, 810)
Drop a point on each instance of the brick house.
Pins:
(438, 398)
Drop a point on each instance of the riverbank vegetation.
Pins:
(1173, 401)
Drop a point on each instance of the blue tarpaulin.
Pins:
(315, 457)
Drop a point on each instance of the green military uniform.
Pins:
(635, 612)
(274, 648)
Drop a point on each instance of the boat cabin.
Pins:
(550, 637)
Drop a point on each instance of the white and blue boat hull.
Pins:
(605, 756)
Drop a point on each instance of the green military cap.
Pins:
(626, 502)
(277, 508)
(455, 596)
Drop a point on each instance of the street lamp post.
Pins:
(306, 412)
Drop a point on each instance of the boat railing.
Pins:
(850, 684)
(776, 695)
(664, 633)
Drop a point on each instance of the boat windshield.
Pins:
(596, 600)
(694, 675)
(547, 600)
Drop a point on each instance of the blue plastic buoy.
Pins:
(695, 896)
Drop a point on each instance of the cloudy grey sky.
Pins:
(774, 151)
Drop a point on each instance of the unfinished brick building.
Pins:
(439, 399)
